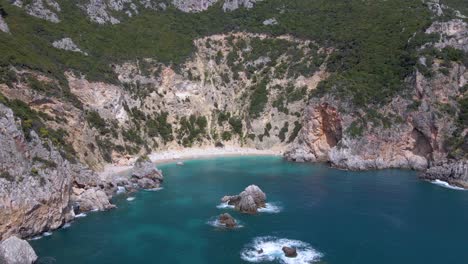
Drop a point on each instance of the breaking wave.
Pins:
(120, 189)
(130, 199)
(224, 206)
(80, 215)
(272, 251)
(154, 189)
(214, 222)
(447, 185)
(271, 208)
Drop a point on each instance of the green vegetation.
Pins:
(236, 124)
(372, 56)
(226, 136)
(258, 99)
(47, 163)
(283, 131)
(192, 129)
(7, 176)
(160, 127)
(95, 120)
(297, 128)
(356, 129)
(32, 120)
(458, 144)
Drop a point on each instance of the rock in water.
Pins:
(16, 251)
(227, 220)
(247, 201)
(146, 175)
(289, 252)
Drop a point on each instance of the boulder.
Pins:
(289, 252)
(16, 251)
(92, 199)
(227, 220)
(248, 201)
(146, 169)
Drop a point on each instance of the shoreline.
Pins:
(176, 155)
(170, 156)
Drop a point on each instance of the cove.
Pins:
(386, 216)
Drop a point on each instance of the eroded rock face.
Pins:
(248, 201)
(230, 5)
(321, 132)
(289, 252)
(67, 44)
(3, 25)
(191, 6)
(45, 9)
(146, 176)
(16, 251)
(227, 220)
(35, 182)
(453, 172)
(454, 33)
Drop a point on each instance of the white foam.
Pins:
(214, 222)
(225, 206)
(66, 225)
(447, 185)
(80, 215)
(154, 189)
(36, 238)
(272, 251)
(47, 234)
(271, 208)
(120, 189)
(130, 199)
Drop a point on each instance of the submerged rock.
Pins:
(289, 252)
(16, 251)
(248, 201)
(227, 220)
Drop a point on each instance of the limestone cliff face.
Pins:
(113, 11)
(235, 90)
(35, 182)
(409, 132)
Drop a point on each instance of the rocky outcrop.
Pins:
(3, 25)
(45, 9)
(320, 133)
(453, 172)
(230, 5)
(248, 201)
(35, 182)
(227, 220)
(92, 199)
(67, 44)
(16, 251)
(191, 6)
(453, 33)
(146, 176)
(289, 252)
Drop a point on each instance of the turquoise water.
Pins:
(346, 217)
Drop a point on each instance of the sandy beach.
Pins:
(176, 155)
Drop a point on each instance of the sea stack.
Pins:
(289, 252)
(227, 220)
(248, 201)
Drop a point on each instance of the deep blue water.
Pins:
(386, 216)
